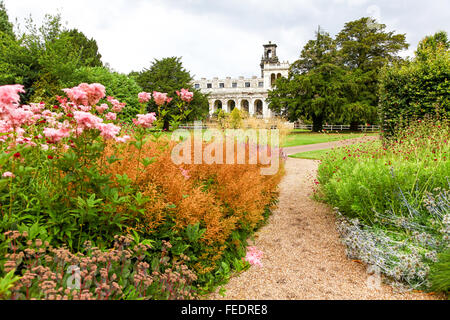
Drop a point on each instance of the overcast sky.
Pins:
(224, 37)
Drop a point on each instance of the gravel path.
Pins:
(303, 256)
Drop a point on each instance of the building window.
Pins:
(234, 85)
(197, 86)
(247, 84)
(221, 85)
(209, 85)
(261, 84)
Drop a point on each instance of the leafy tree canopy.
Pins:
(168, 75)
(365, 44)
(5, 25)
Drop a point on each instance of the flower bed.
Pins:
(77, 185)
(394, 200)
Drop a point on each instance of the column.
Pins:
(251, 107)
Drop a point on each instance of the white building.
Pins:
(248, 94)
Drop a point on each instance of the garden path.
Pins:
(303, 256)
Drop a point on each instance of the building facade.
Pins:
(247, 94)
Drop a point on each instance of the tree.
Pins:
(168, 76)
(315, 53)
(315, 87)
(364, 44)
(431, 45)
(87, 48)
(416, 88)
(5, 25)
(364, 47)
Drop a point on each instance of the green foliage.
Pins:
(440, 273)
(417, 88)
(168, 75)
(235, 119)
(87, 48)
(16, 65)
(6, 283)
(5, 25)
(336, 79)
(318, 95)
(118, 85)
(397, 195)
(315, 53)
(364, 44)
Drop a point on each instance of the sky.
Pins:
(224, 38)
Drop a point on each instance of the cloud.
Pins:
(224, 38)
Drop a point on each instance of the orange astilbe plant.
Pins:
(221, 198)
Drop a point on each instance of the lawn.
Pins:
(312, 155)
(302, 139)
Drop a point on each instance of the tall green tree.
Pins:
(315, 53)
(432, 45)
(315, 88)
(5, 25)
(168, 76)
(87, 48)
(364, 47)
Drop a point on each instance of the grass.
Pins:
(302, 139)
(312, 155)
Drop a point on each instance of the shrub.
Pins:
(415, 89)
(176, 199)
(120, 273)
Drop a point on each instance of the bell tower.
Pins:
(270, 54)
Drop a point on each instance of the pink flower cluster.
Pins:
(86, 94)
(144, 97)
(185, 95)
(254, 256)
(87, 121)
(161, 98)
(145, 120)
(9, 95)
(117, 106)
(56, 135)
